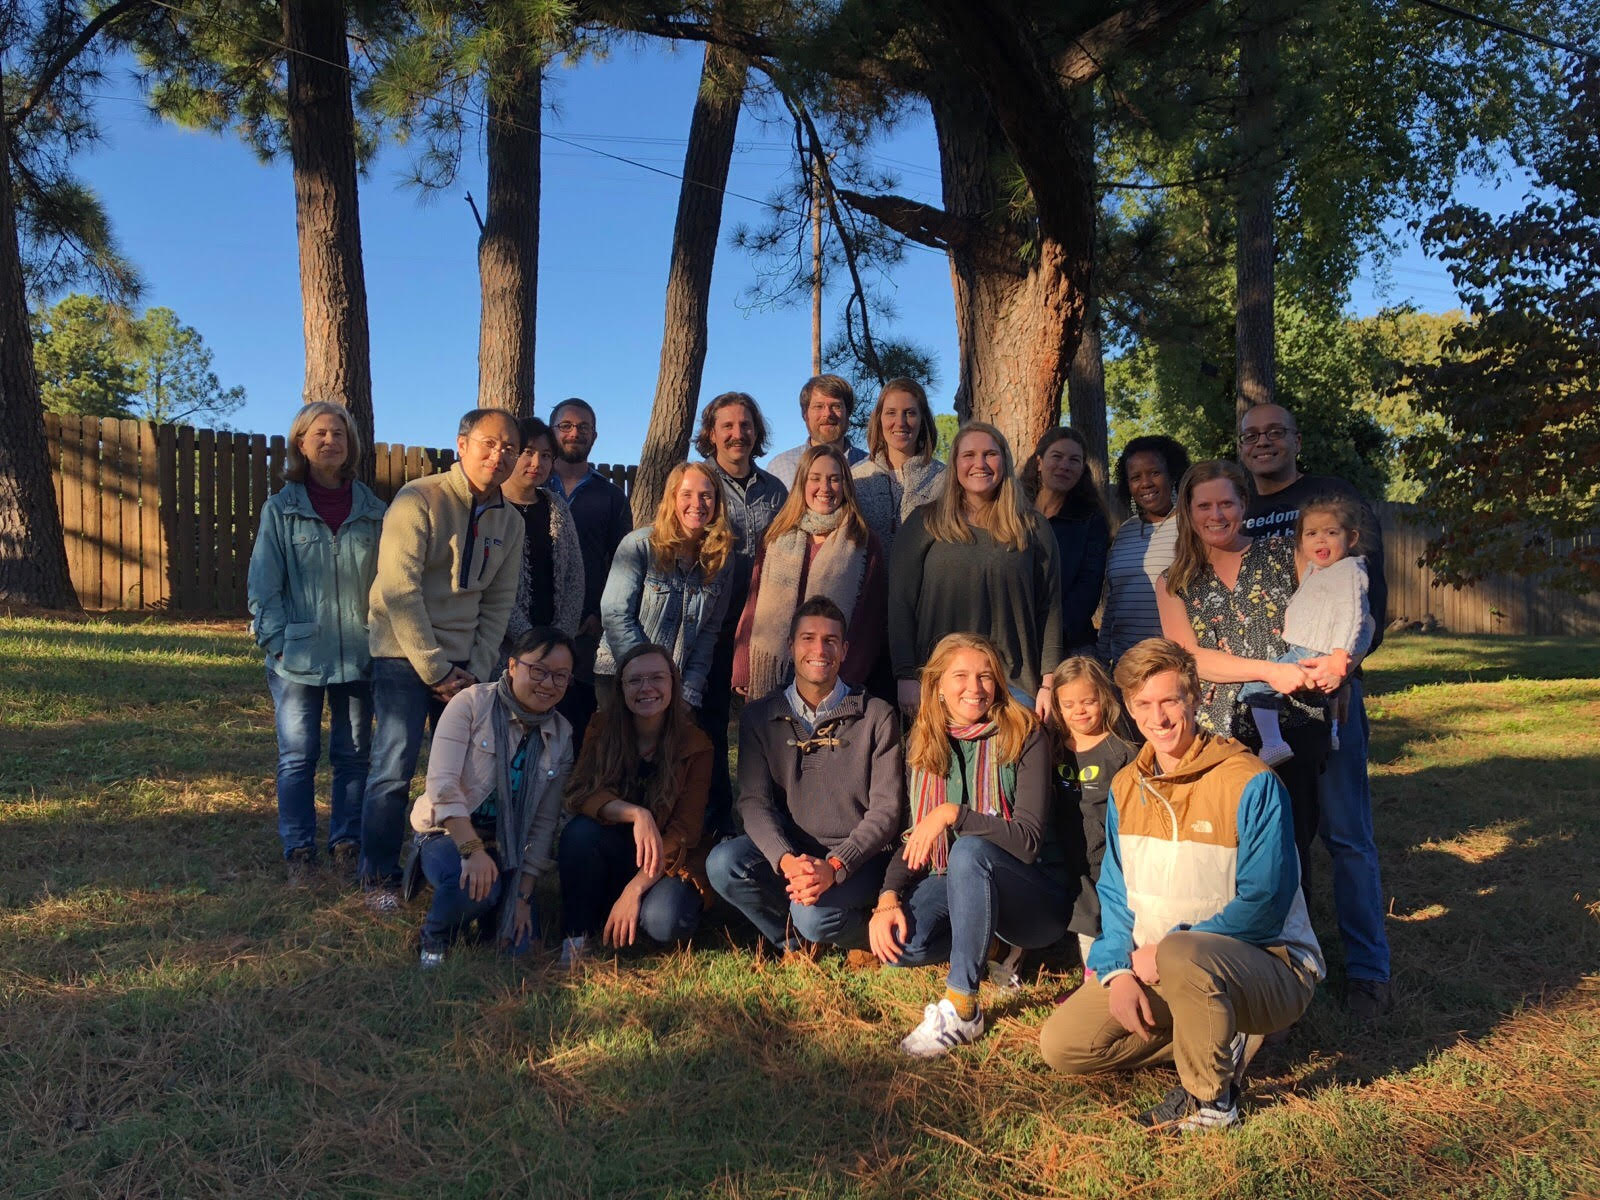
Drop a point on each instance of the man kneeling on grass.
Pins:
(821, 780)
(1205, 945)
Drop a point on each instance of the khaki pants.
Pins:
(1211, 986)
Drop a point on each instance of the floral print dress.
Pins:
(1247, 622)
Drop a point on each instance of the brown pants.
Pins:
(1211, 986)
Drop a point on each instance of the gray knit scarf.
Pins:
(887, 497)
(566, 575)
(837, 571)
(516, 809)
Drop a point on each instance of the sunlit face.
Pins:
(968, 687)
(733, 435)
(1061, 465)
(1324, 539)
(1078, 703)
(575, 433)
(695, 501)
(900, 421)
(1268, 441)
(1217, 512)
(534, 464)
(824, 485)
(489, 453)
(826, 417)
(325, 445)
(646, 684)
(818, 647)
(1149, 483)
(979, 466)
(539, 682)
(1165, 713)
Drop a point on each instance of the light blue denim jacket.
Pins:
(308, 587)
(643, 603)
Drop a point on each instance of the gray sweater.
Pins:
(839, 790)
(1012, 597)
(1328, 611)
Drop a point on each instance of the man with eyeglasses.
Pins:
(826, 402)
(448, 562)
(603, 518)
(1269, 448)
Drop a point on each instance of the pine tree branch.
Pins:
(53, 69)
(1085, 59)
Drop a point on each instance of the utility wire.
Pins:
(1515, 31)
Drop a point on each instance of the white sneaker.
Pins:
(941, 1031)
(431, 960)
(1274, 753)
(573, 950)
(1005, 972)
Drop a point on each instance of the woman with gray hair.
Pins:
(315, 556)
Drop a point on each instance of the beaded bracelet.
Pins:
(470, 847)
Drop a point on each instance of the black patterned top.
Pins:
(1246, 622)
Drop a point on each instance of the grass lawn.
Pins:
(174, 1022)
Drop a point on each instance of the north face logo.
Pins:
(1201, 827)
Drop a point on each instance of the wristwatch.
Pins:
(838, 869)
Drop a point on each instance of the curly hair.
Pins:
(708, 423)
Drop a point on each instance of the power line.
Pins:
(1503, 27)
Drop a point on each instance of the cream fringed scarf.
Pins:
(837, 571)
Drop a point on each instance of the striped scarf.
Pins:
(971, 746)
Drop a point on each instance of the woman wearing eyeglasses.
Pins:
(630, 857)
(486, 822)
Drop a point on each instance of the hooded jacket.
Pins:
(1207, 846)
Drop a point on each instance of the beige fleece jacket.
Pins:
(427, 604)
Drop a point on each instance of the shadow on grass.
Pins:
(1407, 661)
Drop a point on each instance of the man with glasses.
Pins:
(603, 518)
(448, 562)
(1269, 448)
(826, 402)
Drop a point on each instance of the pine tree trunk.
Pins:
(33, 555)
(508, 249)
(1086, 377)
(694, 247)
(1255, 369)
(322, 146)
(1018, 313)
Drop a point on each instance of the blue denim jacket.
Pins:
(643, 603)
(308, 587)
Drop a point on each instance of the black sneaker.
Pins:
(1367, 999)
(300, 868)
(1179, 1112)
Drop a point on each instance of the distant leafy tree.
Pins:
(80, 359)
(1515, 464)
(96, 359)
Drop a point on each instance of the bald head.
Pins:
(1269, 443)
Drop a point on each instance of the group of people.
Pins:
(941, 758)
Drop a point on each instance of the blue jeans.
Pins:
(986, 891)
(297, 708)
(401, 706)
(1262, 694)
(596, 862)
(1345, 826)
(742, 876)
(452, 909)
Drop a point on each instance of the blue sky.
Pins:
(213, 231)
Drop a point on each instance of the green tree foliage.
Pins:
(1514, 466)
(96, 359)
(79, 356)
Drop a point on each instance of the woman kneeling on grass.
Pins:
(974, 864)
(486, 824)
(630, 861)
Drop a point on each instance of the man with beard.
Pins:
(826, 403)
(1269, 447)
(600, 511)
(732, 435)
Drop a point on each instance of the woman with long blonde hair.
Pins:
(669, 581)
(968, 884)
(978, 559)
(817, 545)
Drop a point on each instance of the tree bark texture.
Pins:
(322, 145)
(1255, 350)
(694, 247)
(508, 248)
(1086, 376)
(33, 555)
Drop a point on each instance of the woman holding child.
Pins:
(1224, 599)
(981, 860)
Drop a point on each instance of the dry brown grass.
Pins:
(174, 1022)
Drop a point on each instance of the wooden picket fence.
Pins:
(164, 517)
